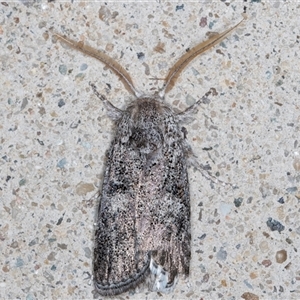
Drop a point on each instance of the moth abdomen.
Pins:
(162, 282)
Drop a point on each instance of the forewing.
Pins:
(118, 265)
(164, 218)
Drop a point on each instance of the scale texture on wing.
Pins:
(144, 213)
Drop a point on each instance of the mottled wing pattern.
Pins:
(117, 264)
(144, 214)
(164, 222)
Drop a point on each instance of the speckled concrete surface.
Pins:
(54, 133)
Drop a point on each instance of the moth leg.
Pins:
(186, 115)
(113, 112)
(192, 161)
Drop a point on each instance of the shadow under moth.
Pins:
(143, 222)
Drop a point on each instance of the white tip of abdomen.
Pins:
(161, 283)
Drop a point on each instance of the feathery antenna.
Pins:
(176, 70)
(104, 58)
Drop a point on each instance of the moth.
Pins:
(143, 220)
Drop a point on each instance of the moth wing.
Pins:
(118, 263)
(163, 220)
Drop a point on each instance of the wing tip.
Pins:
(116, 288)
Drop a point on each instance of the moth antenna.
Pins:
(104, 58)
(194, 52)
